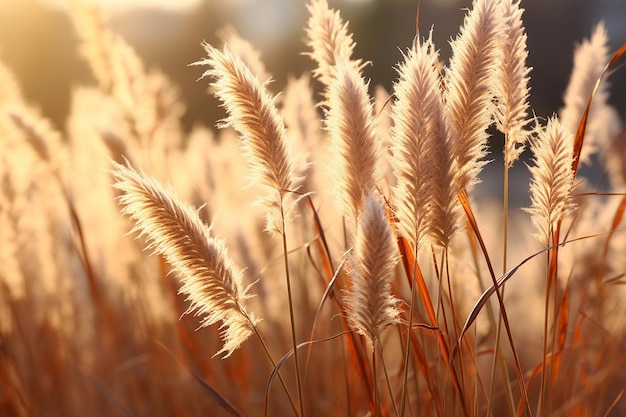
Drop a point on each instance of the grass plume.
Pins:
(553, 178)
(469, 93)
(251, 111)
(211, 282)
(350, 123)
(422, 151)
(371, 308)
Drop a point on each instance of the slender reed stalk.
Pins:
(387, 379)
(292, 320)
(512, 94)
(251, 111)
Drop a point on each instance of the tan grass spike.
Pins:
(211, 281)
(253, 114)
(370, 306)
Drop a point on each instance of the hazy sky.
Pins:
(125, 5)
(34, 36)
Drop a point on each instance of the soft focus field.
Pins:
(332, 249)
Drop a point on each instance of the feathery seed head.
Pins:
(590, 57)
(552, 178)
(253, 114)
(244, 50)
(469, 91)
(370, 306)
(328, 37)
(350, 121)
(212, 283)
(425, 193)
(511, 84)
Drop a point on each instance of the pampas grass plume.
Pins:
(253, 114)
(212, 283)
(244, 50)
(470, 87)
(421, 148)
(552, 178)
(328, 37)
(356, 150)
(370, 306)
(590, 57)
(512, 90)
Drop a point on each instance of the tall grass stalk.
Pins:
(512, 94)
(292, 317)
(253, 114)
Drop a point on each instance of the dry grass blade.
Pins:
(507, 325)
(617, 219)
(212, 283)
(286, 356)
(582, 125)
(415, 277)
(356, 355)
(223, 402)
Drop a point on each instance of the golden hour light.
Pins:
(118, 6)
(340, 208)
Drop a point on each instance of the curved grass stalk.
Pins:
(291, 312)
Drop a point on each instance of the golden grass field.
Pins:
(324, 251)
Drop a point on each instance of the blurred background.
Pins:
(38, 43)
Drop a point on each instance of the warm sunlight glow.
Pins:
(124, 5)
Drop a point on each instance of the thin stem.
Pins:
(408, 341)
(375, 393)
(498, 357)
(545, 341)
(280, 377)
(505, 243)
(382, 360)
(445, 269)
(291, 313)
(346, 380)
(555, 329)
